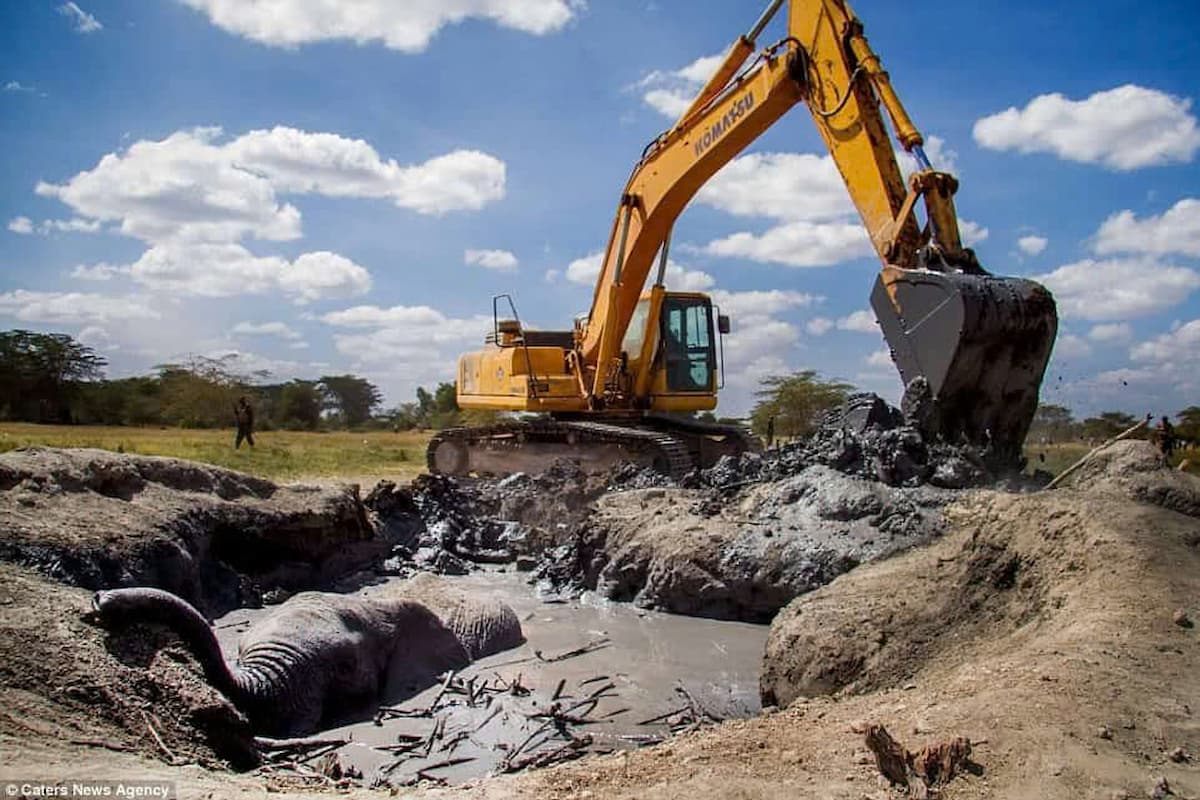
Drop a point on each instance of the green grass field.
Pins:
(361, 457)
(278, 455)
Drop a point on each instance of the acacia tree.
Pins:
(352, 398)
(41, 374)
(796, 402)
(300, 405)
(1054, 422)
(1189, 423)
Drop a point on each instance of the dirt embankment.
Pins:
(215, 537)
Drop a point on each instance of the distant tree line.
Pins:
(51, 378)
(1054, 423)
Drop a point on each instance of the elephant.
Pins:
(319, 656)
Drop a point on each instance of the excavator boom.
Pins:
(971, 348)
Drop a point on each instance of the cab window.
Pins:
(688, 351)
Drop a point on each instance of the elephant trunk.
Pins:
(155, 605)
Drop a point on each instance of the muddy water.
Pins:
(644, 655)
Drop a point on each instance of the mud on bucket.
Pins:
(972, 351)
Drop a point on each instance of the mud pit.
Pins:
(1051, 626)
(638, 661)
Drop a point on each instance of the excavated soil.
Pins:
(1053, 629)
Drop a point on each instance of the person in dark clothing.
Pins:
(771, 432)
(1166, 437)
(244, 414)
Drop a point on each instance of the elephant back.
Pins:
(483, 624)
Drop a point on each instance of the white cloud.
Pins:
(819, 326)
(188, 186)
(797, 244)
(972, 233)
(586, 270)
(499, 260)
(1111, 332)
(1032, 245)
(880, 359)
(552, 275)
(1178, 349)
(82, 21)
(1118, 289)
(61, 308)
(193, 199)
(407, 26)
(75, 225)
(21, 225)
(862, 321)
(671, 92)
(225, 270)
(1175, 232)
(762, 303)
(1123, 128)
(15, 86)
(782, 186)
(279, 330)
(1069, 345)
(98, 272)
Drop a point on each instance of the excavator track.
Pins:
(532, 446)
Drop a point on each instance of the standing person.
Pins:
(1166, 437)
(770, 433)
(243, 412)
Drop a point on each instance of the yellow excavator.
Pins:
(971, 347)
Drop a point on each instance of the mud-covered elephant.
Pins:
(318, 655)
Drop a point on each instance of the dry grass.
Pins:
(1054, 458)
(279, 455)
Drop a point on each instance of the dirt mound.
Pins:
(1138, 470)
(1035, 565)
(745, 557)
(215, 537)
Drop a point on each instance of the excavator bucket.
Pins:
(972, 351)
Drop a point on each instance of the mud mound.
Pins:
(215, 537)
(1028, 566)
(60, 678)
(671, 550)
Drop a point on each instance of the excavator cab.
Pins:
(673, 347)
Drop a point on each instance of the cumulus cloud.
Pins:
(1118, 289)
(670, 92)
(1174, 232)
(781, 186)
(586, 270)
(499, 260)
(407, 26)
(224, 270)
(65, 308)
(1111, 332)
(21, 225)
(279, 330)
(880, 359)
(1032, 245)
(1178, 348)
(762, 303)
(1068, 345)
(819, 326)
(862, 321)
(15, 86)
(193, 198)
(81, 21)
(1125, 128)
(972, 233)
(98, 272)
(797, 244)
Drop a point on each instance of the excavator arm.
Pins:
(971, 348)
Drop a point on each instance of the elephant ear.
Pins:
(424, 648)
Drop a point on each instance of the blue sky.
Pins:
(325, 189)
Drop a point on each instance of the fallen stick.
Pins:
(158, 739)
(593, 680)
(265, 743)
(438, 698)
(599, 644)
(662, 717)
(1069, 470)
